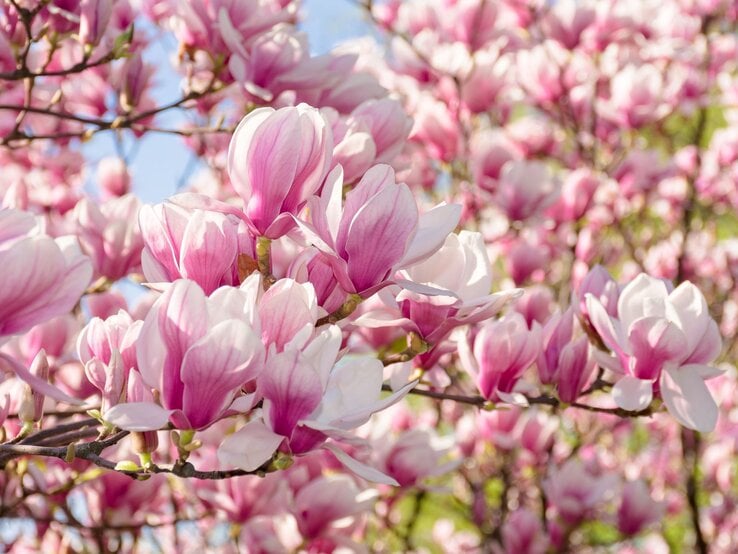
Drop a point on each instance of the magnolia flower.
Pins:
(108, 351)
(376, 231)
(502, 350)
(663, 341)
(277, 159)
(449, 289)
(196, 351)
(43, 277)
(193, 243)
(110, 235)
(308, 399)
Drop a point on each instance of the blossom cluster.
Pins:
(467, 287)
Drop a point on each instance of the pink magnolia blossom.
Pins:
(307, 399)
(322, 503)
(436, 128)
(416, 455)
(192, 243)
(276, 161)
(113, 177)
(450, 289)
(577, 493)
(663, 341)
(376, 230)
(387, 123)
(490, 151)
(525, 189)
(93, 20)
(636, 96)
(191, 344)
(108, 351)
(110, 235)
(44, 278)
(523, 533)
(637, 509)
(502, 350)
(278, 61)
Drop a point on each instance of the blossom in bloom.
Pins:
(43, 277)
(376, 231)
(637, 509)
(108, 351)
(192, 243)
(662, 341)
(522, 533)
(501, 352)
(197, 352)
(449, 289)
(416, 455)
(110, 235)
(277, 159)
(576, 493)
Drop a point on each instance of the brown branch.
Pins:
(541, 400)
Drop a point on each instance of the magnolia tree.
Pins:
(467, 286)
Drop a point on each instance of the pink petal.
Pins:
(688, 399)
(138, 416)
(291, 388)
(228, 356)
(249, 447)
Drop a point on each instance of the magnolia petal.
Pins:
(643, 296)
(138, 416)
(610, 331)
(362, 470)
(433, 228)
(514, 398)
(249, 447)
(37, 384)
(242, 404)
(688, 399)
(632, 394)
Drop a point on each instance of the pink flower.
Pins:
(376, 231)
(276, 160)
(575, 368)
(522, 533)
(490, 151)
(110, 235)
(501, 352)
(196, 351)
(525, 189)
(309, 398)
(93, 20)
(43, 277)
(196, 244)
(436, 128)
(416, 455)
(637, 509)
(450, 289)
(636, 96)
(662, 341)
(575, 492)
(387, 123)
(108, 351)
(113, 177)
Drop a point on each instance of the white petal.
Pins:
(632, 394)
(688, 399)
(138, 416)
(249, 447)
(362, 470)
